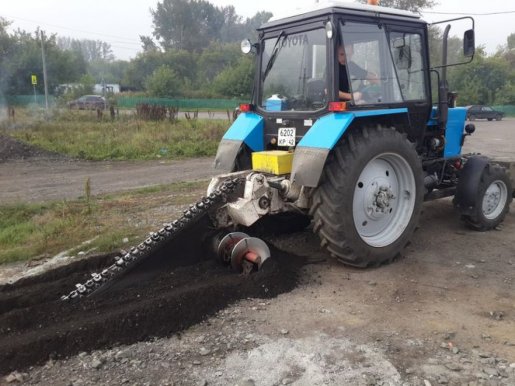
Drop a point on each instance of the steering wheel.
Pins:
(371, 93)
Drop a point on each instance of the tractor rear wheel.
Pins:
(368, 204)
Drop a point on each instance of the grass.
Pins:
(29, 231)
(80, 135)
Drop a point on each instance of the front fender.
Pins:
(312, 150)
(248, 128)
(470, 177)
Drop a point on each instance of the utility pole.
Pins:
(44, 71)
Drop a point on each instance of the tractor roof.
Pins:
(333, 6)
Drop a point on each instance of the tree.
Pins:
(236, 81)
(109, 72)
(193, 25)
(251, 24)
(23, 59)
(91, 50)
(147, 43)
(232, 27)
(484, 81)
(163, 82)
(184, 64)
(408, 5)
(6, 47)
(511, 41)
(215, 59)
(141, 68)
(186, 24)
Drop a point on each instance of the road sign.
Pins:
(34, 80)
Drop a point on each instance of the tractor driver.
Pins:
(356, 72)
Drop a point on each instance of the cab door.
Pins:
(409, 55)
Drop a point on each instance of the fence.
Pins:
(26, 100)
(193, 104)
(131, 102)
(508, 110)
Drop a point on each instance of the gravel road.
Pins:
(37, 180)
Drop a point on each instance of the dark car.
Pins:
(88, 102)
(483, 112)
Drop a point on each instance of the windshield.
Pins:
(293, 72)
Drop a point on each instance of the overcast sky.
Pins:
(120, 22)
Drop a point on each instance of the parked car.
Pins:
(88, 102)
(483, 112)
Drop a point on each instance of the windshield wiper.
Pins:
(273, 56)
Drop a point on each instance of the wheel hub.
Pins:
(383, 199)
(493, 200)
(379, 200)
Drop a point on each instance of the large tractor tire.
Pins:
(490, 201)
(368, 203)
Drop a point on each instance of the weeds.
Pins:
(80, 135)
(42, 230)
(87, 194)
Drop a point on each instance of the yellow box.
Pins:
(272, 161)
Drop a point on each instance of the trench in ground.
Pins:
(157, 299)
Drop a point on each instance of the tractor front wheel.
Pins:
(368, 204)
(492, 200)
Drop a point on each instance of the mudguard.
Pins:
(470, 177)
(312, 150)
(247, 128)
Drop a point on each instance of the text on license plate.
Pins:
(286, 136)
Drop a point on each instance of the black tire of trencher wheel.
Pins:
(333, 199)
(477, 220)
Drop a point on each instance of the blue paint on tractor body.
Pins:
(454, 130)
(249, 128)
(326, 131)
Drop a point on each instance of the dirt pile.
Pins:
(35, 325)
(13, 149)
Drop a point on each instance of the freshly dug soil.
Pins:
(13, 149)
(156, 300)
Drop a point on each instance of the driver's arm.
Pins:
(372, 78)
(347, 96)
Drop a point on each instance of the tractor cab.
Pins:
(302, 76)
(359, 63)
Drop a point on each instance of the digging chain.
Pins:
(127, 260)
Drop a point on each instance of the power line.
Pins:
(469, 13)
(126, 40)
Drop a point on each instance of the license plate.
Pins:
(286, 136)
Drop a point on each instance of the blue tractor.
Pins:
(342, 128)
(342, 131)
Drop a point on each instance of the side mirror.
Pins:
(398, 42)
(469, 46)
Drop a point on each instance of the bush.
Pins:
(163, 82)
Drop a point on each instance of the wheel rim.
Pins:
(494, 199)
(384, 199)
